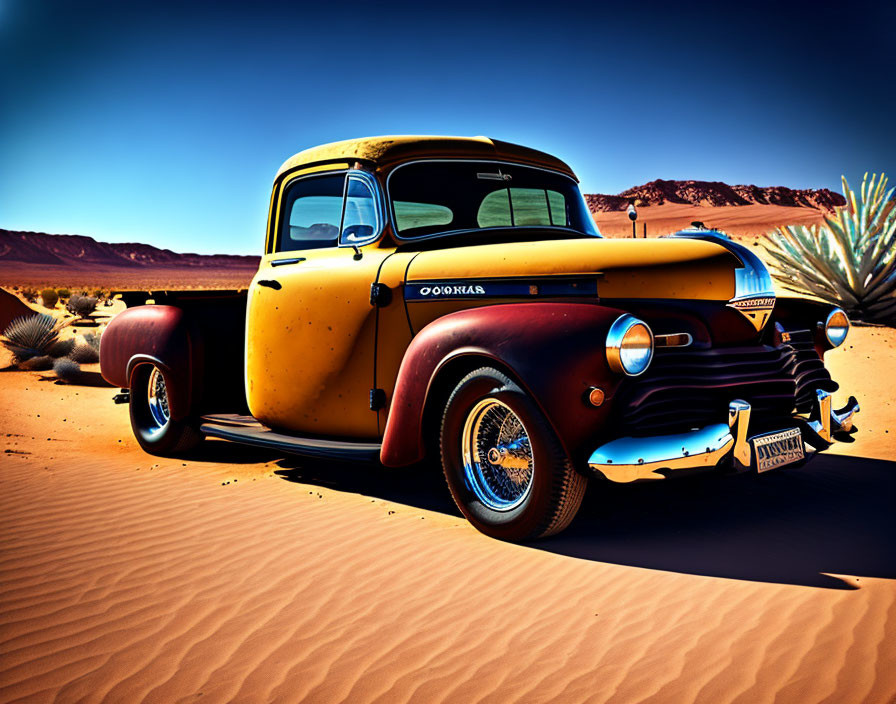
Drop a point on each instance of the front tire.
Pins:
(505, 467)
(156, 431)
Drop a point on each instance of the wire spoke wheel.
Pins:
(157, 397)
(497, 454)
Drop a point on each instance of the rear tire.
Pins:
(505, 467)
(156, 431)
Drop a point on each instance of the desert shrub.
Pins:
(61, 348)
(67, 369)
(93, 339)
(29, 294)
(30, 336)
(99, 294)
(850, 260)
(82, 306)
(49, 297)
(84, 354)
(63, 293)
(37, 364)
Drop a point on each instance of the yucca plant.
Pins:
(850, 260)
(30, 336)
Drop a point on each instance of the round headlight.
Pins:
(629, 346)
(836, 327)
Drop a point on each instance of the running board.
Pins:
(248, 431)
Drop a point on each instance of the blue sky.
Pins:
(154, 123)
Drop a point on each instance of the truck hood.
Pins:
(673, 268)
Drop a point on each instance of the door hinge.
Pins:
(377, 399)
(380, 295)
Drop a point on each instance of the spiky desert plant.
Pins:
(67, 369)
(49, 297)
(30, 336)
(850, 260)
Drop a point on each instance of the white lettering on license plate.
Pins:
(777, 449)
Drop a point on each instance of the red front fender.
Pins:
(555, 351)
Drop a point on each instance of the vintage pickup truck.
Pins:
(438, 296)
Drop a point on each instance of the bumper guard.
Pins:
(722, 444)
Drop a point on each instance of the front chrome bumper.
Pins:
(719, 445)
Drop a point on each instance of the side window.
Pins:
(359, 221)
(312, 213)
(522, 206)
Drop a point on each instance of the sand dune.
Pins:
(242, 576)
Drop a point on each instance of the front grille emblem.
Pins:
(756, 309)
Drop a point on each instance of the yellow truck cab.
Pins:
(445, 297)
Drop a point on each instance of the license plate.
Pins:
(777, 449)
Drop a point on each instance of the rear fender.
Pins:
(555, 351)
(159, 335)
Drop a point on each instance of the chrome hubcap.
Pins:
(497, 455)
(157, 396)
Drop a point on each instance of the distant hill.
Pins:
(716, 194)
(81, 252)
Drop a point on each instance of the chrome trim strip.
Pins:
(675, 339)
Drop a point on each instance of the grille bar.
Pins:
(686, 388)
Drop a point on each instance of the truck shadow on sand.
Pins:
(835, 515)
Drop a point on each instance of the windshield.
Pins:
(430, 198)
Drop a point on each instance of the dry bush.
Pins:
(67, 369)
(84, 354)
(49, 298)
(82, 306)
(61, 348)
(37, 364)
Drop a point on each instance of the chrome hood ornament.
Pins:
(754, 295)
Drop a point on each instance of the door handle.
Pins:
(282, 262)
(270, 283)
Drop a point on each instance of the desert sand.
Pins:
(237, 575)
(738, 220)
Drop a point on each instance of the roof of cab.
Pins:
(387, 151)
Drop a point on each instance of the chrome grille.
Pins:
(689, 388)
(808, 370)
